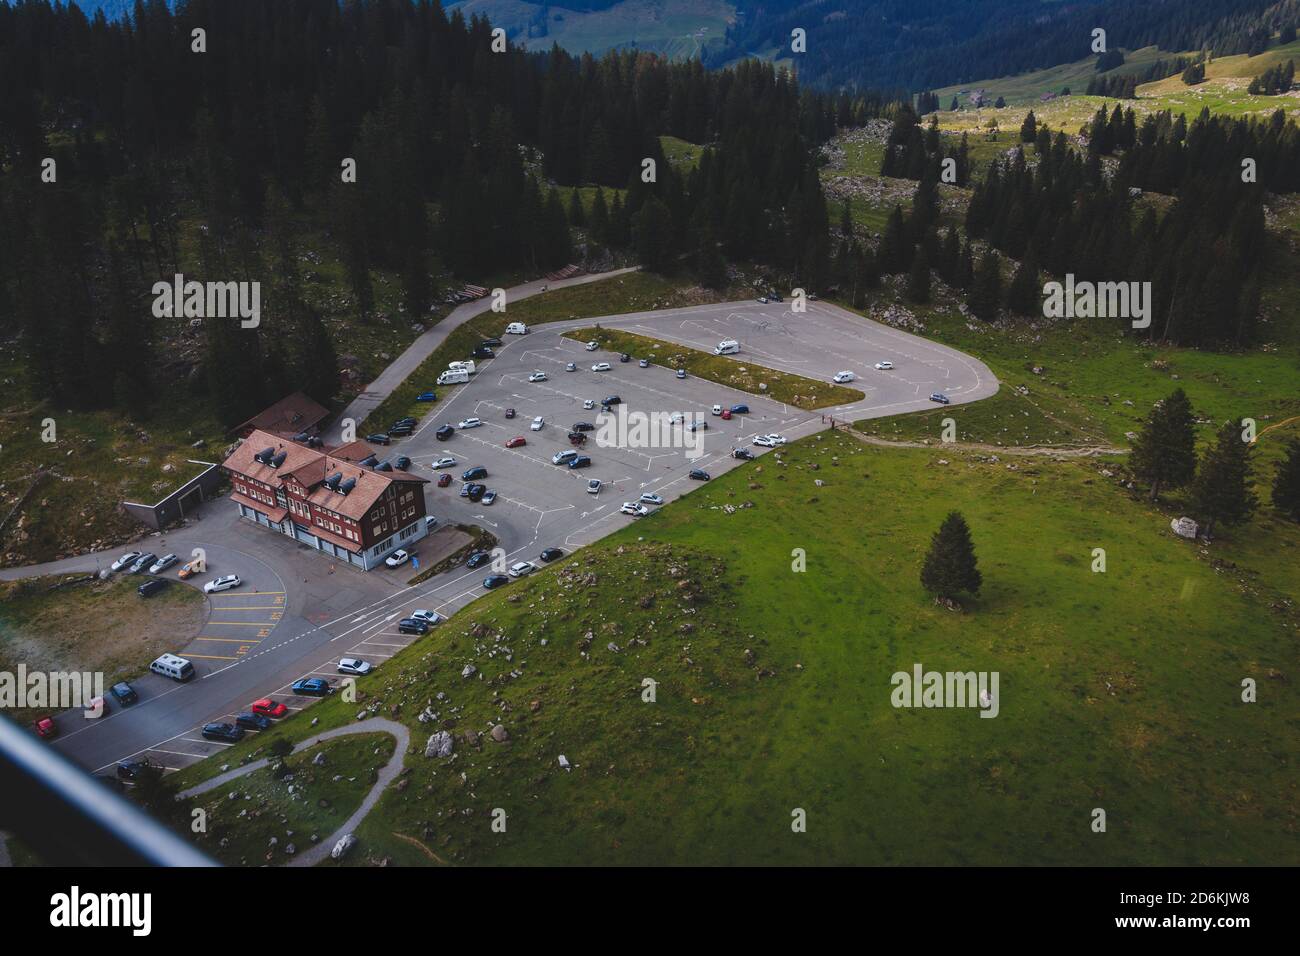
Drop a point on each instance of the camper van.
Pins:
(177, 668)
(727, 347)
(467, 366)
(516, 328)
(453, 377)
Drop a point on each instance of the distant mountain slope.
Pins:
(928, 43)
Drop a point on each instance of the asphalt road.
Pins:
(301, 611)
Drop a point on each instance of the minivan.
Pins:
(516, 328)
(472, 474)
(150, 588)
(727, 347)
(177, 668)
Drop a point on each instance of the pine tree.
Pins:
(1023, 295)
(1221, 492)
(653, 235)
(986, 290)
(576, 217)
(918, 280)
(950, 565)
(895, 250)
(1286, 483)
(1164, 455)
(1029, 128)
(710, 266)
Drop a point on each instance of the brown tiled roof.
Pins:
(352, 451)
(290, 415)
(310, 468)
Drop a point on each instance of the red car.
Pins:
(45, 727)
(269, 708)
(516, 442)
(726, 414)
(444, 480)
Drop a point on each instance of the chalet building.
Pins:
(328, 501)
(295, 416)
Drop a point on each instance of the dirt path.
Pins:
(387, 774)
(1055, 451)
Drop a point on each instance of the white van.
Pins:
(453, 377)
(516, 328)
(727, 347)
(177, 668)
(467, 366)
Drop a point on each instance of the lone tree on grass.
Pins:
(1221, 490)
(1164, 455)
(1286, 483)
(949, 567)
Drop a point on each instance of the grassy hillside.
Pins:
(1118, 690)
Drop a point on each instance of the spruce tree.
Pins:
(986, 289)
(1164, 455)
(1029, 128)
(1024, 295)
(950, 565)
(1286, 483)
(918, 281)
(895, 250)
(1221, 492)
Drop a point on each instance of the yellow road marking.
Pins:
(228, 640)
(249, 607)
(240, 623)
(212, 657)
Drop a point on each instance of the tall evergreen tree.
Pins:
(986, 289)
(918, 280)
(1221, 490)
(1164, 455)
(950, 564)
(1286, 482)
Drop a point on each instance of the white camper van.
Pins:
(177, 668)
(466, 366)
(453, 377)
(727, 347)
(516, 328)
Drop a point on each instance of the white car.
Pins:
(842, 377)
(677, 418)
(563, 457)
(537, 377)
(593, 486)
(716, 409)
(469, 423)
(651, 499)
(571, 367)
(634, 509)
(428, 617)
(600, 367)
(592, 346)
(441, 463)
(522, 569)
(355, 665)
(589, 403)
(884, 366)
(397, 558)
(537, 424)
(125, 561)
(163, 563)
(223, 583)
(762, 300)
(776, 439)
(764, 441)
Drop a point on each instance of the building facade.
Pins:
(331, 502)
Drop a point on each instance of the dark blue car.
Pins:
(310, 687)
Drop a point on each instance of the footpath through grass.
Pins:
(737, 373)
(772, 686)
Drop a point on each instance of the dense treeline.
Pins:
(923, 44)
(217, 165)
(909, 151)
(1274, 81)
(1123, 86)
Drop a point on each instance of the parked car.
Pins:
(400, 431)
(124, 693)
(379, 438)
(537, 424)
(125, 561)
(634, 509)
(583, 427)
(402, 463)
(429, 396)
(550, 554)
(941, 398)
(517, 442)
(408, 420)
(577, 439)
(475, 492)
(716, 410)
(137, 768)
(188, 570)
(142, 562)
(698, 474)
(611, 400)
(764, 441)
(409, 625)
(269, 708)
(563, 457)
(726, 414)
(521, 569)
(469, 423)
(489, 497)
(428, 617)
(697, 426)
(681, 373)
(743, 453)
(495, 581)
(600, 367)
(537, 377)
(625, 357)
(444, 432)
(741, 409)
(884, 366)
(473, 474)
(589, 403)
(163, 563)
(45, 727)
(444, 480)
(223, 583)
(581, 461)
(510, 413)
(311, 687)
(593, 486)
(571, 367)
(841, 377)
(150, 588)
(483, 351)
(355, 665)
(491, 343)
(644, 363)
(649, 498)
(384, 466)
(397, 558)
(592, 346)
(251, 721)
(227, 733)
(447, 461)
(478, 559)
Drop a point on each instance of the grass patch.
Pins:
(99, 626)
(483, 541)
(805, 393)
